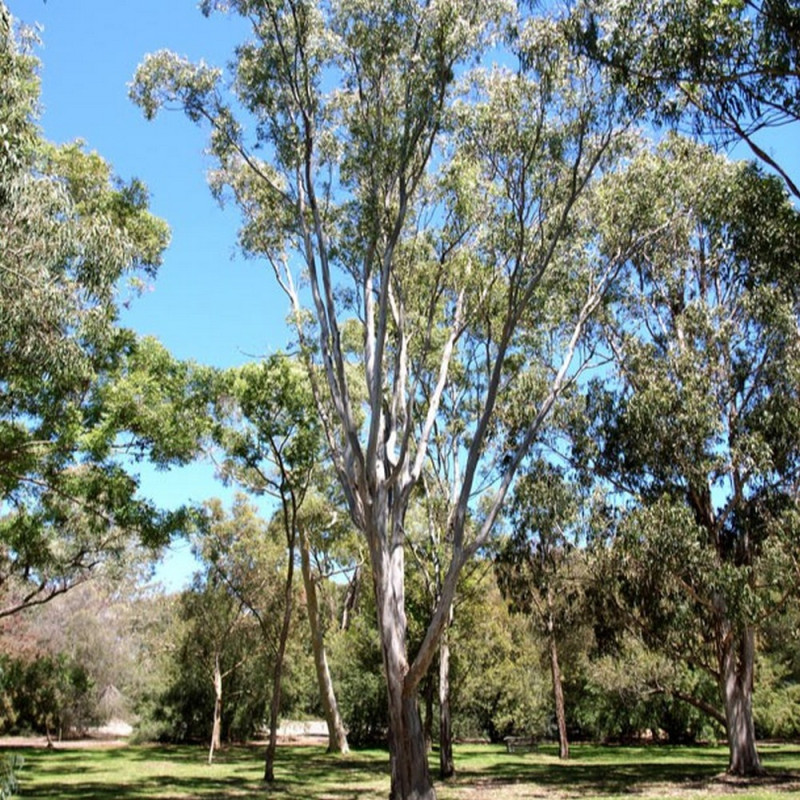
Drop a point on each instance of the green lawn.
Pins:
(307, 773)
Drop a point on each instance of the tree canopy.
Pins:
(71, 235)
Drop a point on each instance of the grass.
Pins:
(308, 773)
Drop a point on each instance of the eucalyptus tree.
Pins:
(272, 444)
(71, 237)
(325, 534)
(538, 566)
(427, 531)
(255, 561)
(217, 624)
(434, 210)
(730, 68)
(697, 433)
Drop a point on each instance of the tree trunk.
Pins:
(446, 764)
(408, 756)
(337, 735)
(351, 598)
(555, 672)
(737, 660)
(275, 705)
(409, 759)
(217, 725)
(558, 697)
(427, 720)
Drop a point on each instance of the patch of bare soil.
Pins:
(11, 742)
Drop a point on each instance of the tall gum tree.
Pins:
(697, 434)
(424, 216)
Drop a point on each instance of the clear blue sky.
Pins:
(208, 304)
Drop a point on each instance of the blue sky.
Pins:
(208, 304)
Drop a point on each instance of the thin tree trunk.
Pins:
(216, 730)
(555, 672)
(337, 735)
(275, 705)
(446, 763)
(558, 697)
(351, 598)
(427, 720)
(737, 661)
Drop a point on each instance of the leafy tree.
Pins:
(325, 532)
(272, 442)
(219, 657)
(731, 68)
(538, 567)
(46, 693)
(246, 559)
(697, 431)
(356, 662)
(497, 684)
(434, 212)
(778, 669)
(71, 236)
(218, 618)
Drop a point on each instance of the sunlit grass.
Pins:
(308, 773)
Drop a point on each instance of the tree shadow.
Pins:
(612, 771)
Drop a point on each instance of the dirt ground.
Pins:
(71, 744)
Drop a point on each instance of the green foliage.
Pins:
(730, 67)
(72, 235)
(360, 686)
(776, 699)
(46, 694)
(498, 684)
(637, 692)
(232, 612)
(695, 433)
(538, 564)
(268, 427)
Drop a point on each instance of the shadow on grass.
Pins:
(181, 772)
(620, 770)
(600, 778)
(308, 772)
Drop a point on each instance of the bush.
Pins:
(776, 701)
(47, 694)
(9, 766)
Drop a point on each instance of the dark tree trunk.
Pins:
(427, 720)
(446, 764)
(736, 651)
